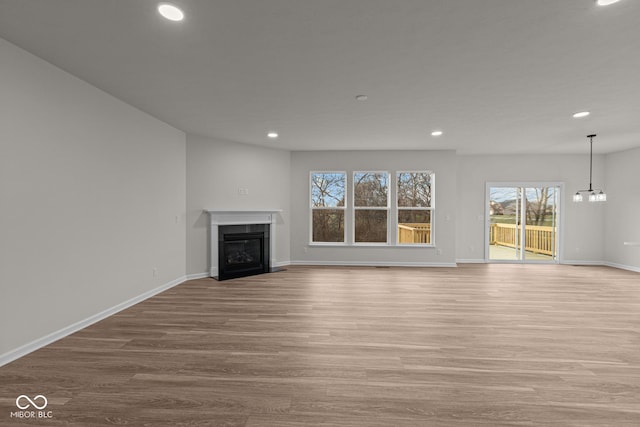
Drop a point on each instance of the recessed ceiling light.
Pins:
(581, 114)
(436, 133)
(171, 12)
(361, 97)
(272, 135)
(606, 2)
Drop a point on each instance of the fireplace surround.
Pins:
(242, 242)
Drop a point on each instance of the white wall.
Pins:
(622, 222)
(442, 163)
(92, 195)
(582, 229)
(215, 171)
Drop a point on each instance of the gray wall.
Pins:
(442, 163)
(583, 227)
(623, 209)
(215, 171)
(92, 195)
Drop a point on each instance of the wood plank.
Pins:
(485, 345)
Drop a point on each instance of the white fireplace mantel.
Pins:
(220, 217)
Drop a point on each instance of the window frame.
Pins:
(357, 208)
(431, 209)
(343, 208)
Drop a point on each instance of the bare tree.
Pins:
(538, 209)
(371, 189)
(414, 189)
(328, 191)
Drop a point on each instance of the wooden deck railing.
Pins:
(414, 233)
(538, 239)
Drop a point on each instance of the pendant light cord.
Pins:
(591, 161)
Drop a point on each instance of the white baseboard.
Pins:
(580, 262)
(198, 276)
(34, 345)
(605, 263)
(374, 264)
(622, 266)
(281, 263)
(567, 262)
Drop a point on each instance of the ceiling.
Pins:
(497, 76)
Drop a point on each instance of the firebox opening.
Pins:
(243, 250)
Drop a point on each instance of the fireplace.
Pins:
(249, 236)
(243, 250)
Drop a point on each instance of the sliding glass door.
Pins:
(523, 223)
(505, 212)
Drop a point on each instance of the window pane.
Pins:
(414, 226)
(328, 225)
(370, 226)
(370, 189)
(327, 189)
(414, 189)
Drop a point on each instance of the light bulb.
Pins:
(170, 12)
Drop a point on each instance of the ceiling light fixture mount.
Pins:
(594, 195)
(361, 97)
(170, 12)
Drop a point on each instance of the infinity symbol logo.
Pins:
(30, 402)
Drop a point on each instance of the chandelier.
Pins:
(594, 195)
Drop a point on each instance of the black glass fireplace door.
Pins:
(242, 254)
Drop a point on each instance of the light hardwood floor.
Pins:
(477, 345)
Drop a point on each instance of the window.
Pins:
(370, 207)
(415, 207)
(328, 206)
(371, 219)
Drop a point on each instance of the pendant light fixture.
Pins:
(593, 195)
